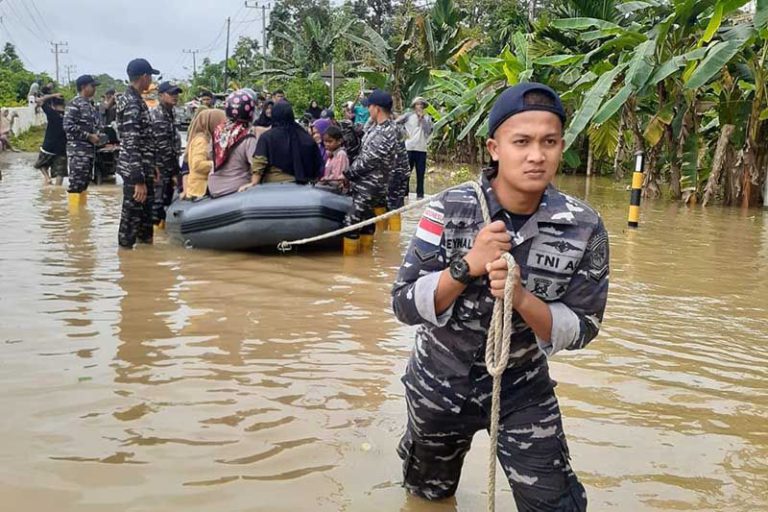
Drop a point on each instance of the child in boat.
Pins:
(336, 160)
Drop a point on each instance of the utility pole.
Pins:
(264, 7)
(194, 61)
(226, 58)
(57, 51)
(70, 68)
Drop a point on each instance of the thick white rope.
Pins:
(499, 331)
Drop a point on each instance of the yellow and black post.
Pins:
(637, 189)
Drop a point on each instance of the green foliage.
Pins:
(15, 80)
(301, 91)
(29, 141)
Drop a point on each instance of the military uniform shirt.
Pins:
(80, 120)
(562, 252)
(377, 155)
(167, 141)
(137, 153)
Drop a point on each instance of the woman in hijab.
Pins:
(319, 128)
(286, 153)
(233, 146)
(314, 110)
(265, 119)
(199, 152)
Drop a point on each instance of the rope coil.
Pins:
(497, 345)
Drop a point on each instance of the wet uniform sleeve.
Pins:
(413, 294)
(399, 177)
(577, 316)
(131, 143)
(157, 134)
(73, 124)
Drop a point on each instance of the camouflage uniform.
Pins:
(369, 174)
(167, 143)
(80, 120)
(562, 250)
(135, 166)
(352, 134)
(399, 178)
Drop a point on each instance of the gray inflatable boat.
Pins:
(260, 217)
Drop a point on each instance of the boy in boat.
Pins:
(447, 284)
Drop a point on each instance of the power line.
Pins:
(20, 20)
(15, 44)
(57, 51)
(33, 18)
(45, 23)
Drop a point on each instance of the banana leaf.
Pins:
(613, 105)
(717, 57)
(581, 23)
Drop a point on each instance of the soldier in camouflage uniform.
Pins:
(399, 178)
(81, 124)
(369, 174)
(447, 284)
(167, 143)
(137, 157)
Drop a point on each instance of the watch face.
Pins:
(460, 270)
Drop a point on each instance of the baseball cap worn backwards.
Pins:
(138, 67)
(513, 101)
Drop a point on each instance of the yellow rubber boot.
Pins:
(394, 223)
(77, 199)
(366, 243)
(382, 224)
(160, 226)
(351, 246)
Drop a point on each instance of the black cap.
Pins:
(84, 80)
(327, 113)
(512, 101)
(380, 98)
(138, 67)
(168, 87)
(206, 94)
(110, 91)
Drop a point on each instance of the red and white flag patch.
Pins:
(430, 227)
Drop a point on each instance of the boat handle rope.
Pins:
(499, 332)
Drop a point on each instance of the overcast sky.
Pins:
(103, 35)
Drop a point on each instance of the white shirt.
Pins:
(418, 131)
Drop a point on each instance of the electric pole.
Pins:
(226, 58)
(264, 7)
(57, 51)
(194, 61)
(70, 68)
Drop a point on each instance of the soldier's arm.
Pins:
(577, 316)
(131, 144)
(72, 128)
(157, 134)
(376, 151)
(416, 286)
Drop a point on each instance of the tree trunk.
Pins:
(589, 157)
(618, 170)
(674, 164)
(718, 162)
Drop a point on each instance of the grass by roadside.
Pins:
(31, 140)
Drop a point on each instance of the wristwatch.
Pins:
(459, 270)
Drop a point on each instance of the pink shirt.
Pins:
(335, 165)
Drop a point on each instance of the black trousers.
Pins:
(136, 218)
(418, 159)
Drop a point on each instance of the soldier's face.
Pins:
(528, 147)
(169, 99)
(206, 101)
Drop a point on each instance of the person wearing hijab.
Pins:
(265, 118)
(286, 153)
(319, 128)
(314, 110)
(233, 146)
(199, 152)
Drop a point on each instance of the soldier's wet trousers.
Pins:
(366, 194)
(136, 218)
(80, 170)
(163, 198)
(532, 449)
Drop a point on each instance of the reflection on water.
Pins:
(167, 379)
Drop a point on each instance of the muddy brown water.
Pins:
(166, 379)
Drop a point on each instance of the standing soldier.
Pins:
(397, 189)
(452, 271)
(167, 144)
(81, 124)
(137, 157)
(369, 174)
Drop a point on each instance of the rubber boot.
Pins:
(366, 243)
(160, 226)
(77, 199)
(382, 224)
(394, 223)
(351, 246)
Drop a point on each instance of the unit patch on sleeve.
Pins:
(598, 260)
(430, 227)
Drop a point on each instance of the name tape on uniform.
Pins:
(430, 227)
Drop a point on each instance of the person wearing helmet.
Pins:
(234, 144)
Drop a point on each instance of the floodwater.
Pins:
(165, 379)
